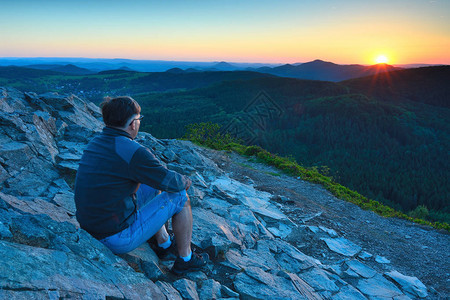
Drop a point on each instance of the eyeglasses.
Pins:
(140, 118)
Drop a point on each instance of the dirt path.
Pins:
(412, 249)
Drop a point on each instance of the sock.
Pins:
(166, 244)
(187, 258)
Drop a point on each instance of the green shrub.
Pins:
(420, 212)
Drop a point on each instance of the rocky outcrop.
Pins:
(46, 255)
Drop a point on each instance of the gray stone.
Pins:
(66, 201)
(3, 174)
(187, 288)
(284, 247)
(16, 155)
(411, 285)
(330, 232)
(168, 290)
(226, 291)
(293, 265)
(258, 201)
(361, 268)
(197, 276)
(38, 206)
(255, 283)
(5, 233)
(210, 289)
(252, 258)
(319, 280)
(282, 231)
(143, 259)
(378, 286)
(342, 246)
(364, 255)
(33, 179)
(314, 229)
(210, 230)
(69, 274)
(347, 292)
(382, 260)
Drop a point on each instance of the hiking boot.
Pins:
(196, 262)
(162, 253)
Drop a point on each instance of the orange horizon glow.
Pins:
(353, 32)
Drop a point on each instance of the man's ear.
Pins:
(133, 125)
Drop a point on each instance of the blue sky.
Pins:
(414, 31)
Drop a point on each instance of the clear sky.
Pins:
(284, 31)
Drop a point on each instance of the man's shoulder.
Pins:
(126, 148)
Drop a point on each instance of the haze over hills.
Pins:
(316, 70)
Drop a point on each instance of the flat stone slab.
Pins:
(378, 286)
(257, 201)
(342, 246)
(361, 269)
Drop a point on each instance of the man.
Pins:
(117, 191)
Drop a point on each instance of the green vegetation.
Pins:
(196, 133)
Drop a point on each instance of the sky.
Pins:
(284, 31)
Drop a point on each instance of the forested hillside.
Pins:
(394, 150)
(386, 136)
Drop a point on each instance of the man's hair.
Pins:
(117, 111)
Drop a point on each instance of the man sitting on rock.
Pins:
(118, 191)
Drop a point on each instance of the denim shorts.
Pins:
(154, 209)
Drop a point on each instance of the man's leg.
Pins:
(162, 235)
(182, 228)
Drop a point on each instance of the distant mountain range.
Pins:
(326, 71)
(314, 70)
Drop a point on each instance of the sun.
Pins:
(381, 59)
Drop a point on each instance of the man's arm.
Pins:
(147, 169)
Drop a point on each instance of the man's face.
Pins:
(135, 124)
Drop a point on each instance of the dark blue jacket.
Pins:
(109, 174)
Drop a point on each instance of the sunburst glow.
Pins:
(381, 59)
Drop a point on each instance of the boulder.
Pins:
(411, 285)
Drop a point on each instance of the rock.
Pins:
(319, 280)
(282, 231)
(314, 229)
(330, 232)
(69, 274)
(364, 255)
(257, 201)
(66, 201)
(143, 259)
(347, 292)
(226, 291)
(382, 260)
(210, 230)
(255, 283)
(5, 233)
(240, 261)
(187, 289)
(411, 285)
(378, 286)
(210, 289)
(342, 246)
(38, 206)
(168, 290)
(361, 268)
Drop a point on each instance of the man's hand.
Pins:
(188, 184)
